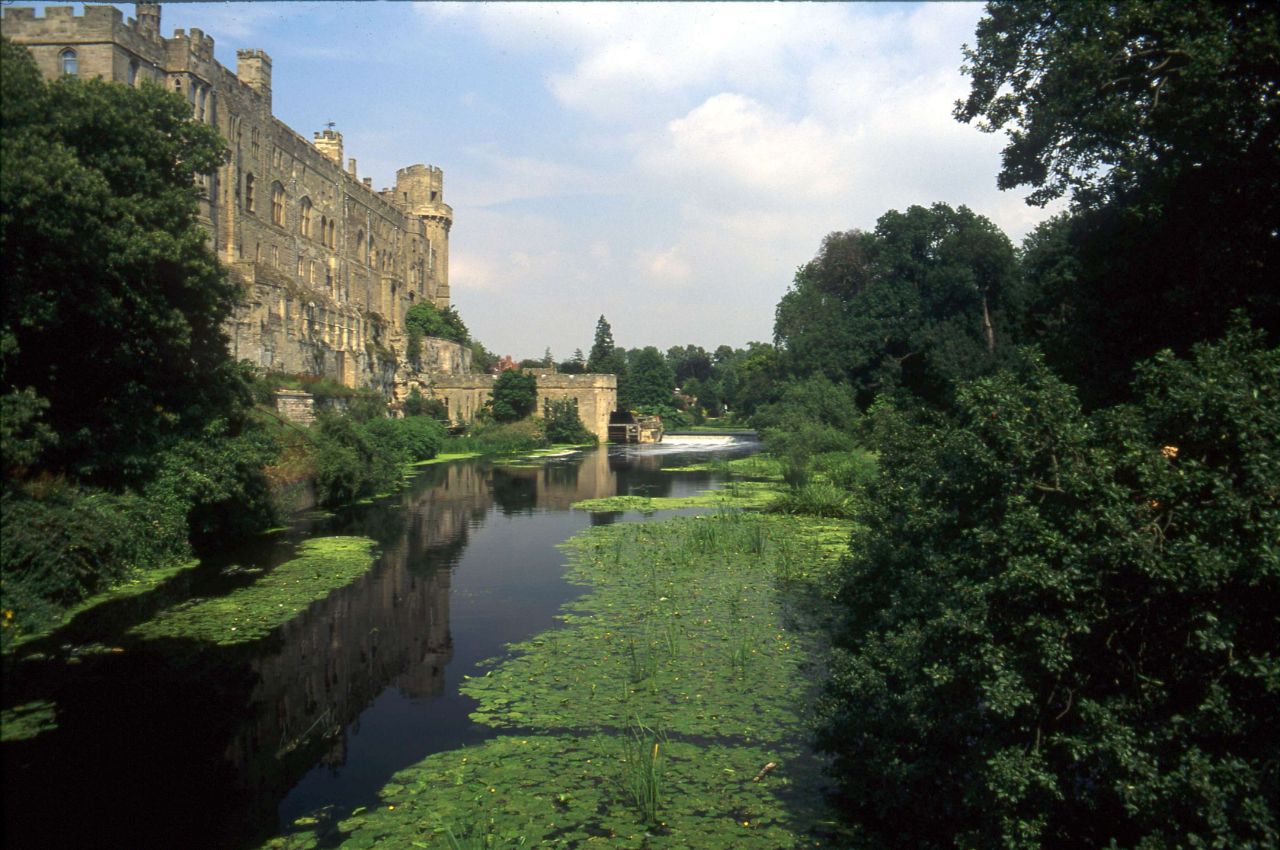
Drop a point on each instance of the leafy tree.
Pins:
(514, 395)
(425, 319)
(562, 423)
(649, 381)
(1061, 628)
(1098, 99)
(753, 378)
(1162, 119)
(928, 298)
(113, 304)
(690, 362)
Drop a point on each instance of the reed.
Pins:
(642, 767)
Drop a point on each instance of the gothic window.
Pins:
(133, 72)
(204, 99)
(277, 204)
(68, 62)
(248, 192)
(305, 218)
(333, 235)
(361, 247)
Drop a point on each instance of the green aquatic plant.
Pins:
(683, 625)
(28, 720)
(250, 613)
(742, 495)
(641, 758)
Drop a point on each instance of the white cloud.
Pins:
(736, 143)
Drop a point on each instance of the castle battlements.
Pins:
(329, 265)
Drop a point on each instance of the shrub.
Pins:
(418, 405)
(62, 543)
(1061, 627)
(510, 438)
(562, 424)
(351, 465)
(514, 395)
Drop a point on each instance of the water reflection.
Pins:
(221, 746)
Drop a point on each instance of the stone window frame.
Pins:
(249, 181)
(277, 204)
(133, 72)
(69, 62)
(333, 234)
(304, 217)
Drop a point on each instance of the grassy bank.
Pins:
(668, 711)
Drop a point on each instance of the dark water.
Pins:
(178, 744)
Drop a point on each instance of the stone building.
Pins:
(328, 265)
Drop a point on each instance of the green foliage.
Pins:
(64, 542)
(251, 613)
(113, 304)
(603, 351)
(514, 395)
(1100, 98)
(418, 405)
(425, 319)
(504, 438)
(1061, 628)
(408, 440)
(562, 424)
(812, 416)
(1161, 118)
(927, 299)
(348, 464)
(649, 381)
(482, 359)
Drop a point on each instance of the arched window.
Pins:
(304, 218)
(68, 62)
(333, 235)
(248, 192)
(372, 258)
(277, 204)
(133, 72)
(361, 247)
(324, 230)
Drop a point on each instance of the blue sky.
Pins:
(666, 165)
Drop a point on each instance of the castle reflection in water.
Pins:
(391, 627)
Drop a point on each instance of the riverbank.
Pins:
(670, 710)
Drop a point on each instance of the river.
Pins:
(180, 744)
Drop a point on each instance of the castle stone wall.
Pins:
(328, 265)
(595, 395)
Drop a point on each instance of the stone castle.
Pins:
(328, 265)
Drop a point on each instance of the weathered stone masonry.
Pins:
(328, 266)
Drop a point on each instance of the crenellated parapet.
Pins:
(328, 266)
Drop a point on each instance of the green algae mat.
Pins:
(250, 613)
(668, 711)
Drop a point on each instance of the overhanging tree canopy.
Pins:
(113, 304)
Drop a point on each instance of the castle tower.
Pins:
(329, 143)
(420, 190)
(253, 67)
(148, 16)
